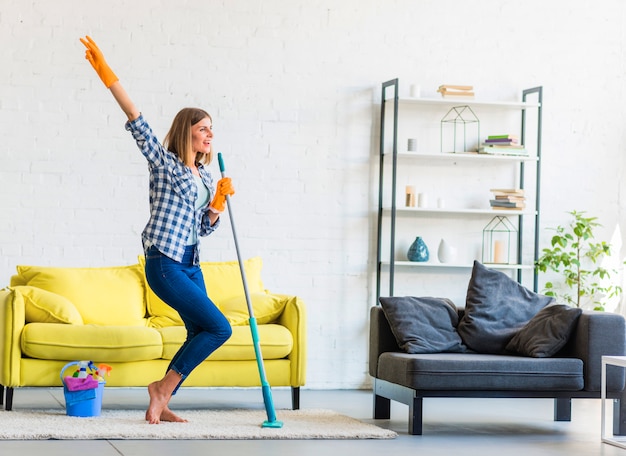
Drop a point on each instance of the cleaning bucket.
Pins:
(83, 403)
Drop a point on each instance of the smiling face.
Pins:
(202, 136)
(190, 136)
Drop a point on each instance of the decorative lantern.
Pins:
(459, 116)
(498, 238)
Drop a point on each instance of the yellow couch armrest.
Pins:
(12, 318)
(294, 319)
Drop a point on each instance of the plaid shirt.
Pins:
(172, 196)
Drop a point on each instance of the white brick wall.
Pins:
(293, 88)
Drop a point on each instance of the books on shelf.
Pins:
(451, 90)
(508, 198)
(501, 142)
(497, 141)
(507, 191)
(501, 204)
(509, 136)
(502, 150)
(506, 144)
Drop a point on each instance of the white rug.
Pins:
(203, 424)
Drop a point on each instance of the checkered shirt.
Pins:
(172, 196)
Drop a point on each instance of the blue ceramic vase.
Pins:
(418, 250)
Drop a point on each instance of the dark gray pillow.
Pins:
(546, 333)
(496, 308)
(423, 325)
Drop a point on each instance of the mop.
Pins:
(271, 421)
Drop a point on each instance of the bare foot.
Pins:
(168, 415)
(158, 402)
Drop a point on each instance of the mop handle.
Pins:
(220, 160)
(265, 386)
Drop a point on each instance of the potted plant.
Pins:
(575, 255)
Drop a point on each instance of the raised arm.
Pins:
(110, 80)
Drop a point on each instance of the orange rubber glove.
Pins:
(224, 187)
(95, 57)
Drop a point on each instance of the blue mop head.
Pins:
(272, 424)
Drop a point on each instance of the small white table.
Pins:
(619, 361)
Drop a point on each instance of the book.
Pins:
(503, 146)
(502, 141)
(508, 191)
(454, 87)
(507, 204)
(499, 208)
(510, 198)
(451, 90)
(503, 137)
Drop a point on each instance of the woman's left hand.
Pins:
(224, 187)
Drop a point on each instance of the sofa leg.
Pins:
(295, 398)
(9, 399)
(415, 416)
(1, 394)
(382, 407)
(562, 409)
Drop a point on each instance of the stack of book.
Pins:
(508, 198)
(447, 90)
(503, 145)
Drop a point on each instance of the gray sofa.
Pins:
(574, 372)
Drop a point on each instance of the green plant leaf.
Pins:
(574, 256)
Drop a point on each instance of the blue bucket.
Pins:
(82, 403)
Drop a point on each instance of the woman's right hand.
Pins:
(96, 58)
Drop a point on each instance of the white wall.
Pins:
(294, 90)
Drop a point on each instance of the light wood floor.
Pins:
(466, 427)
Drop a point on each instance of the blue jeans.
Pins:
(181, 286)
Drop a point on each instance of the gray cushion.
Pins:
(423, 325)
(546, 333)
(479, 372)
(496, 308)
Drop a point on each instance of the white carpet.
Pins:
(203, 424)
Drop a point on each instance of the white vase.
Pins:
(446, 253)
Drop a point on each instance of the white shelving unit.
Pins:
(414, 264)
(395, 159)
(459, 101)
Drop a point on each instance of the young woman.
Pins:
(183, 206)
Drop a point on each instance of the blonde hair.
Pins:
(178, 139)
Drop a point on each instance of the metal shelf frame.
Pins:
(391, 213)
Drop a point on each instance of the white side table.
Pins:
(619, 361)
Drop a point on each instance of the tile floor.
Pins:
(465, 427)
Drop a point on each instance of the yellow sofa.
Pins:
(50, 316)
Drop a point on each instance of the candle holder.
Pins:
(498, 238)
(464, 117)
(410, 196)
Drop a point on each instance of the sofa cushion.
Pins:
(98, 343)
(481, 372)
(546, 333)
(276, 343)
(103, 296)
(223, 282)
(266, 307)
(46, 307)
(496, 308)
(423, 325)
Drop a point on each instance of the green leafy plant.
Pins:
(575, 255)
